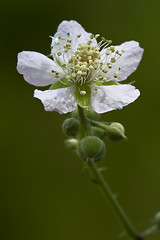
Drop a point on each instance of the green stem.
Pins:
(97, 124)
(115, 204)
(86, 127)
(103, 184)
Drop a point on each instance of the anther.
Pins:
(113, 60)
(109, 64)
(69, 40)
(59, 53)
(97, 35)
(116, 74)
(91, 36)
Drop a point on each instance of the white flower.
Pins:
(82, 71)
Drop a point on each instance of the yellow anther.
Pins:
(104, 79)
(103, 39)
(109, 64)
(116, 74)
(89, 42)
(84, 73)
(69, 40)
(79, 72)
(104, 70)
(112, 48)
(59, 37)
(79, 35)
(107, 52)
(120, 68)
(63, 38)
(59, 53)
(113, 60)
(68, 76)
(96, 61)
(97, 35)
(91, 67)
(68, 34)
(73, 75)
(64, 65)
(123, 51)
(91, 36)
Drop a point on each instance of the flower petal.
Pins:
(37, 68)
(73, 28)
(108, 98)
(129, 60)
(60, 100)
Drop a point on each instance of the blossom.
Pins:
(82, 70)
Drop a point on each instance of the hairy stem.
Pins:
(98, 177)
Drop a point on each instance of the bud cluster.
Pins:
(91, 148)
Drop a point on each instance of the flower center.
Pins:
(83, 63)
(89, 62)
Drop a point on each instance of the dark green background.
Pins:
(44, 193)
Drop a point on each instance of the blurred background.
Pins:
(45, 194)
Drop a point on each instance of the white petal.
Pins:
(108, 98)
(61, 100)
(36, 68)
(129, 60)
(74, 28)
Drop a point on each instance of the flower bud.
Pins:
(157, 219)
(71, 127)
(99, 132)
(91, 148)
(71, 143)
(115, 132)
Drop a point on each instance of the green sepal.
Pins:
(108, 83)
(61, 84)
(83, 100)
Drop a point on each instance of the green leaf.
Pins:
(63, 83)
(83, 95)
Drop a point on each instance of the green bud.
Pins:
(71, 127)
(115, 132)
(99, 132)
(91, 148)
(71, 143)
(157, 219)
